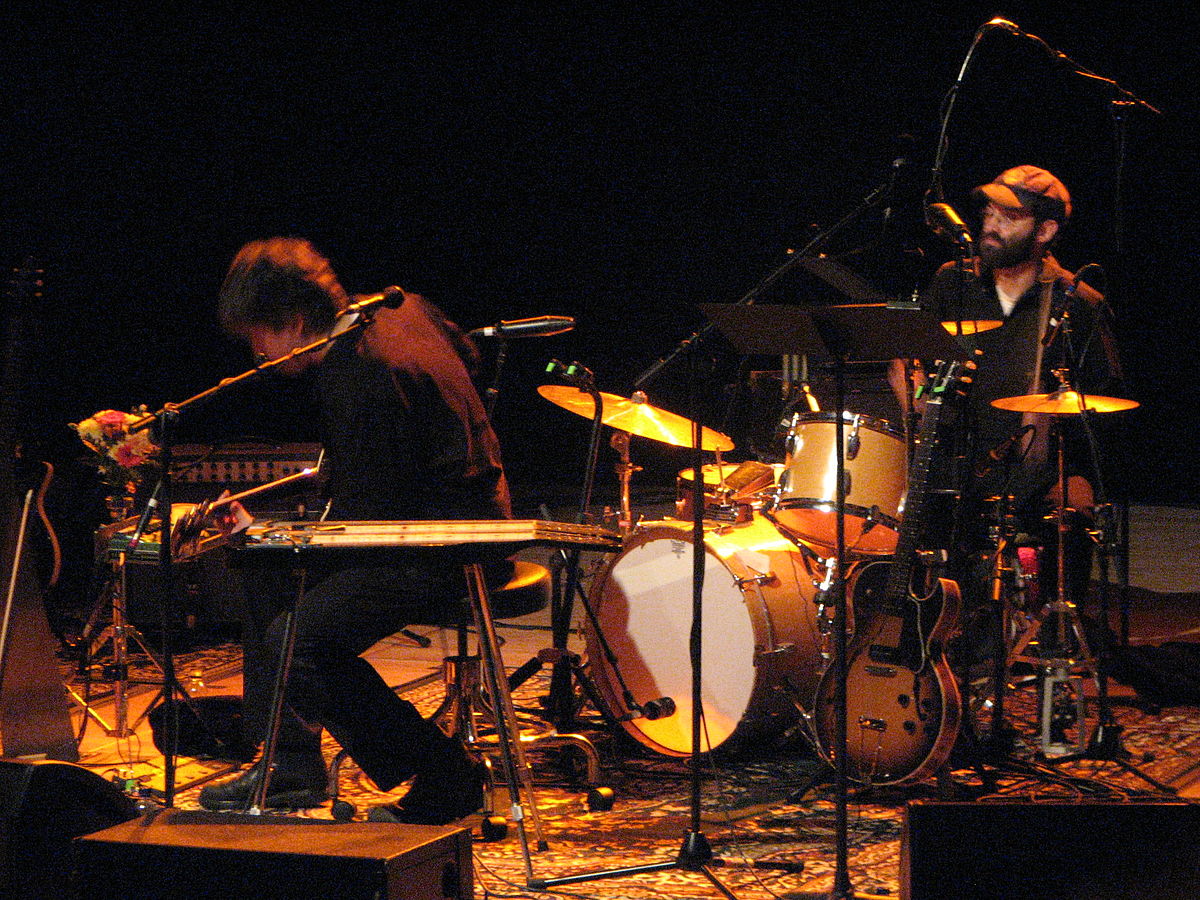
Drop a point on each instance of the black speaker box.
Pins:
(193, 855)
(1052, 850)
(43, 807)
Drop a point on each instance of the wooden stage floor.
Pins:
(769, 814)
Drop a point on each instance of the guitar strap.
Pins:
(1039, 447)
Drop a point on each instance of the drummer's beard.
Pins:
(994, 253)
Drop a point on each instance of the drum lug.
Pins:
(759, 578)
(774, 651)
(853, 442)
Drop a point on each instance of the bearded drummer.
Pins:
(1051, 327)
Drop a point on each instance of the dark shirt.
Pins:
(1010, 367)
(405, 432)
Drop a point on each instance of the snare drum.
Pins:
(875, 465)
(762, 644)
(731, 490)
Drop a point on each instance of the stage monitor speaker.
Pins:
(1054, 850)
(193, 855)
(43, 807)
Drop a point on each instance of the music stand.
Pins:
(872, 332)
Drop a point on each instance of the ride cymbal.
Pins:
(635, 416)
(971, 326)
(1062, 403)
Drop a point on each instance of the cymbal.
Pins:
(635, 416)
(971, 326)
(1064, 403)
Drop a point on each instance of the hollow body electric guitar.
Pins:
(902, 700)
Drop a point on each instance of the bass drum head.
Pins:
(643, 603)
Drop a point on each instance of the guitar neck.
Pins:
(905, 556)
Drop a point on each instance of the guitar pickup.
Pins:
(880, 671)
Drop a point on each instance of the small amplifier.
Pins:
(176, 854)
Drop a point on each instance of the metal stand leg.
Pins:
(516, 769)
(1063, 664)
(257, 801)
(119, 632)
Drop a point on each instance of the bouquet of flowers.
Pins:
(121, 457)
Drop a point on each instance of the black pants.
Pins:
(331, 686)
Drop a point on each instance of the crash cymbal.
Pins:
(635, 416)
(1064, 403)
(971, 326)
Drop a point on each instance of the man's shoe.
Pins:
(437, 799)
(296, 783)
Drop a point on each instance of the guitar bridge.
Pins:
(869, 724)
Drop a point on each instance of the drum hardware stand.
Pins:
(1105, 742)
(1062, 665)
(625, 472)
(560, 703)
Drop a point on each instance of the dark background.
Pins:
(620, 167)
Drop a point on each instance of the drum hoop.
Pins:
(852, 509)
(871, 423)
(763, 607)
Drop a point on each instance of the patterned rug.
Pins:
(769, 816)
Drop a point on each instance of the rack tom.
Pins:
(875, 475)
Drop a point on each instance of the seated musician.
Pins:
(1012, 455)
(406, 437)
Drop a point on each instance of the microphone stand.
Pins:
(795, 258)
(162, 424)
(695, 854)
(560, 703)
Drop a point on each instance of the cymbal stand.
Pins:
(625, 471)
(1067, 658)
(560, 703)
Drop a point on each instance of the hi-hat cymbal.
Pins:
(971, 326)
(635, 416)
(1064, 403)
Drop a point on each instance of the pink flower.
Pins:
(111, 417)
(127, 455)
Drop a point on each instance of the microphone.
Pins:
(898, 163)
(947, 223)
(539, 326)
(1059, 310)
(658, 709)
(1001, 450)
(144, 519)
(390, 297)
(650, 710)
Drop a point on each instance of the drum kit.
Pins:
(769, 544)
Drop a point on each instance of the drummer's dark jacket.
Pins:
(405, 431)
(1015, 362)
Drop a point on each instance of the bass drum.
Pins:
(762, 647)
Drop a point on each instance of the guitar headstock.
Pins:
(25, 283)
(949, 379)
